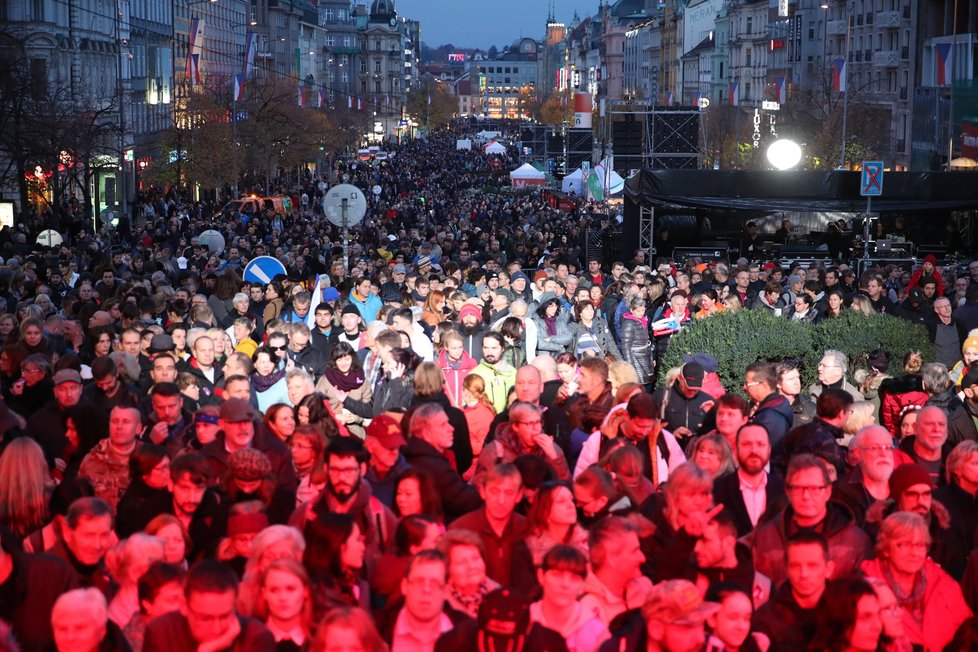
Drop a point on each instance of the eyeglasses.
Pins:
(803, 489)
(749, 384)
(280, 348)
(917, 495)
(823, 365)
(536, 422)
(877, 449)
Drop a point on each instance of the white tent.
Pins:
(574, 182)
(463, 143)
(487, 135)
(494, 148)
(526, 175)
(613, 183)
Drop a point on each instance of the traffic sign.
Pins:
(871, 184)
(356, 205)
(49, 238)
(263, 269)
(213, 240)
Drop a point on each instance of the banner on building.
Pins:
(583, 107)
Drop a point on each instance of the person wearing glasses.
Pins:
(832, 370)
(931, 602)
(770, 409)
(523, 435)
(808, 486)
(871, 451)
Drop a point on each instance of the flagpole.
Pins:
(950, 112)
(845, 93)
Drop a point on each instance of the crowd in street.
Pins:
(465, 437)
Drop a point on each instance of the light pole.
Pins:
(950, 112)
(845, 88)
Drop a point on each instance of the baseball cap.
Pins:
(67, 376)
(400, 269)
(237, 410)
(693, 375)
(330, 294)
(677, 602)
(386, 430)
(705, 360)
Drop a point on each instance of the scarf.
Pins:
(470, 603)
(912, 602)
(262, 383)
(551, 323)
(345, 382)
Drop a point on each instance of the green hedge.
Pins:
(740, 338)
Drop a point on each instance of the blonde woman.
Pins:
(478, 410)
(26, 487)
(272, 543)
(127, 562)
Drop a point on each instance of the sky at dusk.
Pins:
(483, 23)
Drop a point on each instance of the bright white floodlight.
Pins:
(784, 154)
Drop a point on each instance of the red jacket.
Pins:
(944, 607)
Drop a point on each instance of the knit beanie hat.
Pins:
(970, 343)
(906, 476)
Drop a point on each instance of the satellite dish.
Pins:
(356, 204)
(49, 238)
(213, 240)
(377, 190)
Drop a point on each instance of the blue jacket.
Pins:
(369, 307)
(776, 415)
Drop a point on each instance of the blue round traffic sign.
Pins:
(263, 269)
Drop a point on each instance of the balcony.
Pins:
(836, 27)
(889, 19)
(886, 58)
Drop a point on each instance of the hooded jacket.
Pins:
(455, 373)
(775, 414)
(562, 338)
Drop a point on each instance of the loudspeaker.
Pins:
(674, 133)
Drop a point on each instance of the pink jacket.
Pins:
(944, 607)
(455, 373)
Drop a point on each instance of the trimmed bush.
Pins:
(740, 338)
(856, 334)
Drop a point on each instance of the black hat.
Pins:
(161, 343)
(693, 375)
(350, 309)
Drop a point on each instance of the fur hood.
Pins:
(883, 508)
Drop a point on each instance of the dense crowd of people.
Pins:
(466, 440)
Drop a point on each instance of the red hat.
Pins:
(768, 266)
(930, 258)
(540, 275)
(469, 308)
(906, 476)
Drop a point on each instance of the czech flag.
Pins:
(779, 90)
(839, 76)
(668, 98)
(734, 97)
(238, 87)
(943, 60)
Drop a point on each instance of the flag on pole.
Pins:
(349, 101)
(302, 95)
(238, 87)
(320, 99)
(194, 50)
(359, 104)
(249, 60)
(943, 57)
(429, 98)
(779, 90)
(694, 99)
(839, 76)
(734, 97)
(668, 98)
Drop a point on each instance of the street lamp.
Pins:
(784, 154)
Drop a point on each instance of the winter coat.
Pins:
(389, 395)
(818, 437)
(457, 496)
(816, 390)
(848, 544)
(599, 331)
(555, 344)
(368, 307)
(363, 393)
(109, 476)
(783, 621)
(636, 348)
(961, 425)
(499, 379)
(584, 632)
(273, 310)
(943, 604)
(35, 584)
(506, 447)
(958, 538)
(896, 394)
(455, 373)
(217, 456)
(775, 414)
(682, 412)
(479, 418)
(461, 446)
